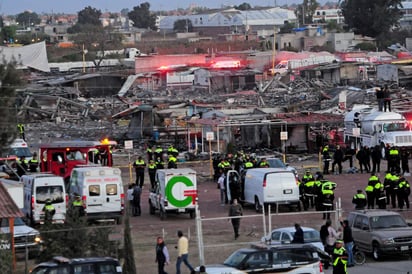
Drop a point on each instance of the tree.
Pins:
(305, 11)
(10, 79)
(8, 34)
(27, 19)
(96, 39)
(371, 18)
(244, 6)
(91, 35)
(183, 25)
(89, 15)
(142, 17)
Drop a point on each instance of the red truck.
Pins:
(60, 157)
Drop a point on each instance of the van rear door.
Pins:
(49, 188)
(281, 187)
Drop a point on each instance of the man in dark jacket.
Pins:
(376, 155)
(348, 241)
(298, 237)
(337, 159)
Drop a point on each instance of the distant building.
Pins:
(216, 22)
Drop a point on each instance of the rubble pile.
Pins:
(65, 112)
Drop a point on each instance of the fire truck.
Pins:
(60, 157)
(365, 126)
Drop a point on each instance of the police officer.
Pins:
(309, 193)
(340, 257)
(49, 211)
(172, 161)
(404, 190)
(359, 199)
(158, 152)
(248, 164)
(159, 163)
(33, 163)
(370, 190)
(326, 159)
(264, 163)
(387, 185)
(395, 187)
(381, 198)
(77, 206)
(149, 153)
(22, 166)
(327, 201)
(394, 160)
(151, 168)
(139, 166)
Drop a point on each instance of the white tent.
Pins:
(30, 56)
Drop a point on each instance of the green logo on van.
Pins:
(174, 200)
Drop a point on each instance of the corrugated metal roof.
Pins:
(308, 118)
(8, 208)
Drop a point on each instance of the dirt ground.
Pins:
(217, 234)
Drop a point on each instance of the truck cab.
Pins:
(61, 157)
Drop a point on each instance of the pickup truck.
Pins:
(381, 232)
(26, 238)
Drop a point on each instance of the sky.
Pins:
(12, 7)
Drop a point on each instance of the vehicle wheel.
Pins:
(151, 208)
(192, 214)
(359, 257)
(258, 206)
(375, 252)
(162, 214)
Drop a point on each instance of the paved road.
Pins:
(218, 234)
(391, 267)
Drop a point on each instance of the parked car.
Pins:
(261, 258)
(25, 237)
(381, 232)
(285, 235)
(92, 265)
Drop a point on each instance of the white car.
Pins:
(291, 259)
(284, 235)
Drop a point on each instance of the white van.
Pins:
(276, 186)
(38, 188)
(101, 189)
(175, 192)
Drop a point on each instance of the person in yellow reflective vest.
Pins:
(139, 166)
(359, 200)
(34, 163)
(327, 201)
(340, 258)
(152, 172)
(20, 128)
(370, 190)
(77, 206)
(49, 211)
(404, 190)
(172, 162)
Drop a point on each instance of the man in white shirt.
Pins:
(221, 184)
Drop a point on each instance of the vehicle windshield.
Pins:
(17, 222)
(276, 163)
(54, 193)
(20, 152)
(309, 236)
(395, 127)
(382, 222)
(235, 259)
